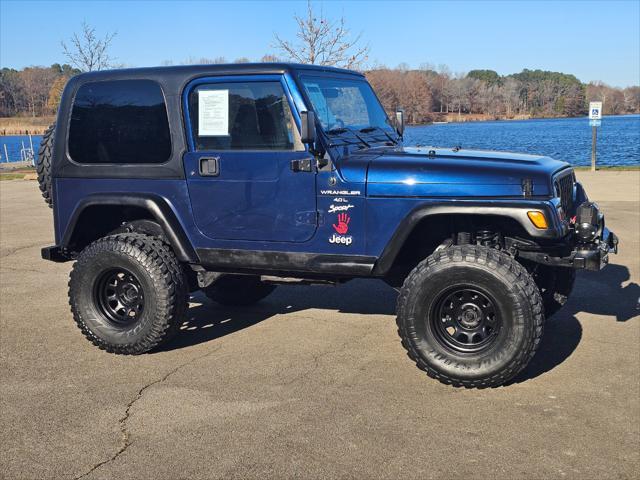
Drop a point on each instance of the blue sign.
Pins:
(594, 123)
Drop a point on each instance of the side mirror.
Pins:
(308, 127)
(400, 121)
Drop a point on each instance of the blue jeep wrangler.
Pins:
(235, 178)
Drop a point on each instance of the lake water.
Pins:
(567, 139)
(14, 146)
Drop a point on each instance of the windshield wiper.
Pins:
(341, 130)
(337, 131)
(373, 129)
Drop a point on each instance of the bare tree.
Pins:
(511, 93)
(632, 99)
(88, 52)
(12, 94)
(269, 58)
(55, 93)
(415, 96)
(323, 42)
(202, 61)
(37, 83)
(387, 86)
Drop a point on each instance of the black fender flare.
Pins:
(156, 205)
(511, 209)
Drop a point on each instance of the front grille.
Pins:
(564, 189)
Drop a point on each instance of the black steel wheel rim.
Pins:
(465, 319)
(119, 296)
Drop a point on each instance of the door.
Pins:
(243, 165)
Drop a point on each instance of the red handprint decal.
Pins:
(343, 224)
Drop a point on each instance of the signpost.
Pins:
(595, 117)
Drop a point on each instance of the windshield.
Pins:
(341, 103)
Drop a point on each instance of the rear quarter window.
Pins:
(120, 121)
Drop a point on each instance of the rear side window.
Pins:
(122, 121)
(242, 116)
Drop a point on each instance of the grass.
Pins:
(20, 125)
(16, 173)
(12, 176)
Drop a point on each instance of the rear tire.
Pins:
(470, 316)
(43, 164)
(238, 290)
(127, 293)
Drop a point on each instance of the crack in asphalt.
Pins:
(12, 269)
(13, 251)
(320, 355)
(125, 436)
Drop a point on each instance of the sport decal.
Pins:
(339, 208)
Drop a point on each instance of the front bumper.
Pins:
(592, 255)
(595, 256)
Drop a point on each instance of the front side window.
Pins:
(121, 121)
(345, 103)
(242, 116)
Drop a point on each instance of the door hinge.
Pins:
(303, 165)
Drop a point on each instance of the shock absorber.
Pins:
(464, 238)
(485, 238)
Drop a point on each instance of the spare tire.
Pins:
(43, 164)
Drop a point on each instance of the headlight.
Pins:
(589, 222)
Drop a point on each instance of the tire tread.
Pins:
(43, 164)
(160, 262)
(507, 266)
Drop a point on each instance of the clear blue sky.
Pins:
(595, 40)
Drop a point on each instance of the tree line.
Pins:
(428, 94)
(33, 91)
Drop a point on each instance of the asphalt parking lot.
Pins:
(311, 383)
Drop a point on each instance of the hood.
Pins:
(439, 172)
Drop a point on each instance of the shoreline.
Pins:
(478, 119)
(19, 126)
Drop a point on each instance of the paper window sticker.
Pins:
(213, 113)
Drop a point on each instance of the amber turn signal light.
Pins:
(538, 219)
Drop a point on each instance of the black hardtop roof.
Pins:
(213, 69)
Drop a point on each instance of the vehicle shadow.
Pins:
(562, 334)
(207, 320)
(598, 293)
(603, 293)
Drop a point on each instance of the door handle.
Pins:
(209, 166)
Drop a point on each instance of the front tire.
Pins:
(470, 316)
(127, 293)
